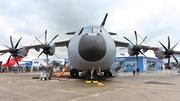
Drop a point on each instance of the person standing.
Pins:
(134, 71)
(138, 70)
(124, 69)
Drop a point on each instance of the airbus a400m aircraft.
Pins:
(91, 49)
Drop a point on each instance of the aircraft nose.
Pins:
(92, 48)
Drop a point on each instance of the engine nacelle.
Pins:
(130, 50)
(23, 52)
(159, 53)
(52, 49)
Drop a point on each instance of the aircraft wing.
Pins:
(4, 51)
(57, 44)
(124, 44)
(121, 44)
(62, 43)
(177, 52)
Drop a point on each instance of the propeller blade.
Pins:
(136, 37)
(18, 42)
(16, 60)
(136, 60)
(40, 54)
(162, 45)
(3, 53)
(8, 59)
(168, 61)
(128, 40)
(38, 40)
(168, 42)
(53, 39)
(47, 59)
(174, 46)
(45, 36)
(175, 59)
(12, 45)
(142, 53)
(143, 40)
(6, 46)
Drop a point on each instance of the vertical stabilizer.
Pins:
(103, 23)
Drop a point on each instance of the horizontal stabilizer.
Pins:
(70, 33)
(111, 33)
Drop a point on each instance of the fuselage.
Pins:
(91, 46)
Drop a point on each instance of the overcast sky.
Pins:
(156, 19)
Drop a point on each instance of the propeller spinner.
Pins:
(169, 51)
(13, 50)
(46, 46)
(136, 47)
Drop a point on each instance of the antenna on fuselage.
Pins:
(104, 20)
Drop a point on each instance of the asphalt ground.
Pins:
(148, 86)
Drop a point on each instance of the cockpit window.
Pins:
(92, 29)
(96, 30)
(88, 29)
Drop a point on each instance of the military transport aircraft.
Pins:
(91, 49)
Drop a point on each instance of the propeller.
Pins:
(169, 51)
(136, 47)
(13, 50)
(46, 46)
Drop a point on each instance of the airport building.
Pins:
(43, 62)
(128, 62)
(144, 63)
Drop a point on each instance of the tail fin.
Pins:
(103, 23)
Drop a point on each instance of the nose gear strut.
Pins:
(92, 71)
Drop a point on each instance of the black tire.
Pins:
(105, 73)
(77, 74)
(72, 74)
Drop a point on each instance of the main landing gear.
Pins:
(74, 72)
(93, 75)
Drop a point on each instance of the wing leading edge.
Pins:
(124, 44)
(57, 44)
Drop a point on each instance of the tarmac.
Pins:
(161, 85)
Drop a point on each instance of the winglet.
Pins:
(103, 23)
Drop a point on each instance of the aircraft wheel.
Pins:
(72, 74)
(43, 79)
(110, 74)
(77, 74)
(105, 73)
(88, 75)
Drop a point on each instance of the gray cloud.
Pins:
(28, 18)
